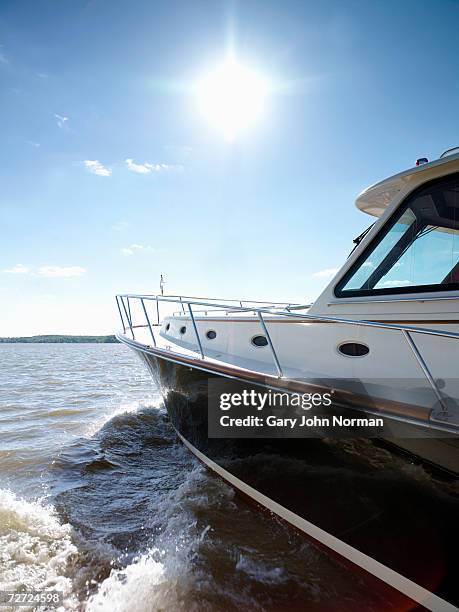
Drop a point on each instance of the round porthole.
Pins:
(183, 330)
(211, 334)
(259, 341)
(168, 326)
(353, 349)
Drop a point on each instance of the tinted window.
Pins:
(353, 349)
(419, 250)
(260, 341)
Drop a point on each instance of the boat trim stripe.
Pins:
(395, 580)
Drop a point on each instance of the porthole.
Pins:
(353, 349)
(259, 341)
(211, 334)
(168, 326)
(183, 329)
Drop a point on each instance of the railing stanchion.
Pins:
(148, 321)
(196, 330)
(130, 317)
(157, 309)
(183, 307)
(424, 368)
(127, 317)
(121, 315)
(268, 337)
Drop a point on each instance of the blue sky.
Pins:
(359, 91)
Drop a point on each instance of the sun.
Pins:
(232, 98)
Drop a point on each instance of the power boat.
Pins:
(378, 489)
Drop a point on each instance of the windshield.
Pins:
(419, 248)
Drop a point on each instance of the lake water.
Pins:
(98, 499)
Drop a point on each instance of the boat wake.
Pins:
(136, 523)
(35, 548)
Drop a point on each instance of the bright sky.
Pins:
(112, 171)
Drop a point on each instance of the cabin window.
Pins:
(417, 251)
(259, 341)
(353, 349)
(183, 330)
(211, 334)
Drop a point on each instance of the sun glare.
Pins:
(231, 98)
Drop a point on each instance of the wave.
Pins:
(125, 407)
(136, 587)
(36, 548)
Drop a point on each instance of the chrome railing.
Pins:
(234, 302)
(279, 310)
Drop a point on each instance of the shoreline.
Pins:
(59, 339)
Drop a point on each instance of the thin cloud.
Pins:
(3, 58)
(61, 121)
(146, 167)
(327, 273)
(61, 271)
(396, 283)
(136, 248)
(17, 269)
(47, 271)
(33, 144)
(95, 167)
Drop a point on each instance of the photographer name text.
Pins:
(303, 421)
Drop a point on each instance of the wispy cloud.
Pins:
(146, 167)
(32, 143)
(47, 271)
(95, 167)
(61, 121)
(136, 248)
(3, 58)
(327, 273)
(395, 283)
(61, 271)
(17, 269)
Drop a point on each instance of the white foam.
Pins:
(161, 578)
(35, 548)
(139, 586)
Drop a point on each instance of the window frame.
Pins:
(338, 290)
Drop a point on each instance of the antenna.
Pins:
(162, 282)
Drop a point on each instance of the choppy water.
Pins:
(98, 499)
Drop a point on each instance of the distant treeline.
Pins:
(57, 339)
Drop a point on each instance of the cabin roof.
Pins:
(375, 199)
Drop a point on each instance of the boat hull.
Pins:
(364, 504)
